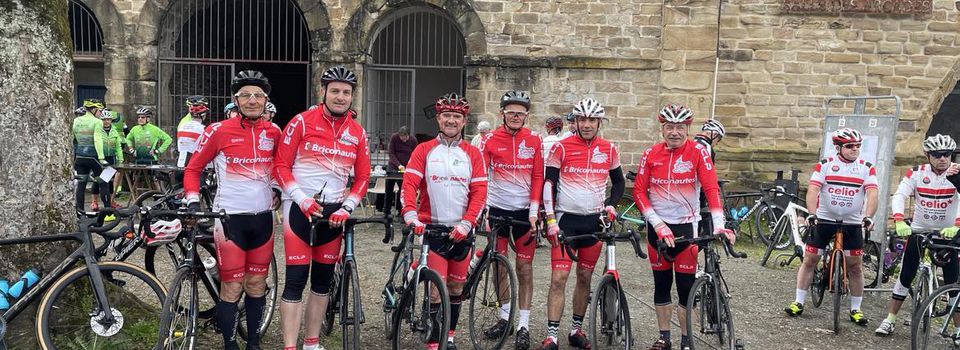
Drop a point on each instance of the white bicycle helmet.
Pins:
(715, 126)
(846, 135)
(164, 232)
(939, 142)
(677, 114)
(588, 108)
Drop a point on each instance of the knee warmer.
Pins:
(296, 280)
(662, 283)
(320, 278)
(684, 283)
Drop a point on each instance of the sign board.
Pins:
(879, 142)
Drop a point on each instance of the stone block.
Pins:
(736, 55)
(767, 89)
(762, 55)
(798, 90)
(783, 78)
(609, 30)
(948, 27)
(687, 81)
(488, 6)
(880, 70)
(796, 67)
(872, 35)
(854, 69)
(909, 71)
(783, 100)
(944, 39)
(814, 79)
(765, 44)
(832, 45)
(731, 111)
(829, 68)
(812, 57)
(809, 101)
(923, 83)
(784, 33)
(848, 35)
(703, 61)
(769, 21)
(756, 77)
(586, 30)
(802, 45)
(863, 47)
(814, 34)
(878, 91)
(912, 49)
(756, 100)
(842, 79)
(841, 58)
(897, 36)
(526, 18)
(729, 99)
(689, 38)
(618, 42)
(731, 77)
(910, 24)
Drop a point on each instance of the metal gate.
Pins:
(416, 56)
(182, 79)
(202, 43)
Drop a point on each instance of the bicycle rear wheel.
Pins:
(818, 285)
(487, 294)
(178, 319)
(271, 300)
(351, 313)
(780, 229)
(837, 280)
(610, 316)
(68, 315)
(936, 330)
(392, 290)
(165, 261)
(414, 326)
(333, 306)
(872, 264)
(765, 220)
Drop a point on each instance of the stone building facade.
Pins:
(774, 73)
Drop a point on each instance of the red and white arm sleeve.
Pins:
(412, 180)
(536, 179)
(286, 154)
(898, 201)
(707, 174)
(640, 188)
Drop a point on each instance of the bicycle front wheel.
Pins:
(393, 290)
(936, 330)
(271, 301)
(351, 313)
(494, 285)
(181, 309)
(165, 260)
(69, 314)
(872, 264)
(837, 280)
(780, 229)
(708, 313)
(610, 316)
(333, 306)
(819, 283)
(418, 322)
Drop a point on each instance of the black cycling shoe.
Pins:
(661, 344)
(523, 339)
(684, 345)
(451, 345)
(497, 330)
(579, 340)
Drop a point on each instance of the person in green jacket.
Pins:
(88, 149)
(112, 152)
(148, 141)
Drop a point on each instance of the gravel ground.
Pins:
(758, 297)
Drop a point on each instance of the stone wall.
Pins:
(775, 69)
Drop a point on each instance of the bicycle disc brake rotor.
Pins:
(100, 329)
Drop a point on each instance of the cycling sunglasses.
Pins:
(851, 145)
(940, 154)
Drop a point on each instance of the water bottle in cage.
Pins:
(210, 265)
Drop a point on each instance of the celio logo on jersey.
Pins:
(843, 191)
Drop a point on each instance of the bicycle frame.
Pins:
(792, 217)
(837, 246)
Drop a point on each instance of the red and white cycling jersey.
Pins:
(584, 169)
(187, 136)
(321, 152)
(242, 153)
(842, 187)
(451, 181)
(516, 175)
(668, 184)
(935, 205)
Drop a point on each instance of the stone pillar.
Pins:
(688, 55)
(35, 152)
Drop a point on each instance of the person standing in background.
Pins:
(400, 147)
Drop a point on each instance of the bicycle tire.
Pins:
(872, 264)
(818, 283)
(765, 220)
(609, 306)
(779, 230)
(333, 305)
(393, 290)
(351, 314)
(837, 289)
(411, 311)
(921, 321)
(481, 302)
(71, 292)
(151, 264)
(172, 311)
(922, 292)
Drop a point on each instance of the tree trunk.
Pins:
(36, 94)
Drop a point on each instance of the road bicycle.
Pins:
(787, 229)
(491, 283)
(409, 311)
(880, 262)
(830, 275)
(708, 306)
(345, 299)
(73, 310)
(934, 315)
(609, 312)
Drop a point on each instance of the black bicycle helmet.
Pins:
(338, 73)
(515, 97)
(250, 77)
(194, 100)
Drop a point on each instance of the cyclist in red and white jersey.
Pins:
(242, 150)
(554, 126)
(573, 198)
(670, 177)
(934, 208)
(516, 183)
(449, 177)
(841, 187)
(321, 149)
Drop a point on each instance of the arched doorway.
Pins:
(203, 43)
(416, 55)
(945, 120)
(87, 52)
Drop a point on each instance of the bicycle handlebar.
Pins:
(727, 247)
(386, 221)
(607, 237)
(506, 221)
(92, 223)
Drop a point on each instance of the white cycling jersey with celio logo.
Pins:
(842, 188)
(935, 199)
